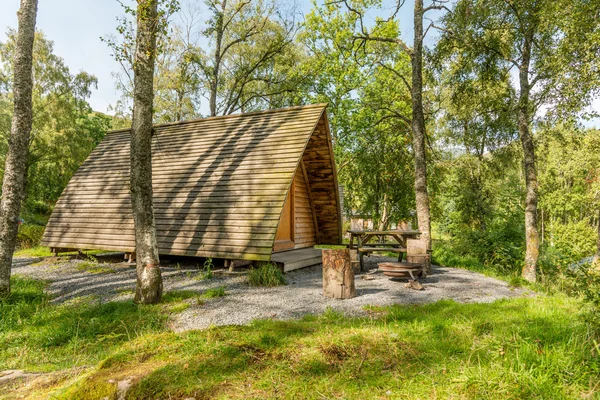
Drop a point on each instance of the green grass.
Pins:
(511, 349)
(37, 251)
(214, 292)
(42, 251)
(266, 274)
(95, 268)
(330, 247)
(40, 336)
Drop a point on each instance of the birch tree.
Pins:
(149, 285)
(380, 32)
(249, 42)
(552, 48)
(15, 170)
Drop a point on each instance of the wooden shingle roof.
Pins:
(219, 186)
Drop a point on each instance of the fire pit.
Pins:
(402, 269)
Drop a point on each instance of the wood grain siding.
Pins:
(322, 182)
(219, 185)
(304, 230)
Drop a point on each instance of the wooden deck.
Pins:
(295, 259)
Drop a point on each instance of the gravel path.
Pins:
(242, 303)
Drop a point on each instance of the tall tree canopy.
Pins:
(552, 48)
(228, 56)
(65, 129)
(369, 107)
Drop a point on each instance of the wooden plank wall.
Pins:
(320, 169)
(304, 229)
(219, 186)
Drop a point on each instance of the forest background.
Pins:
(240, 56)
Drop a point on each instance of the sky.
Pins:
(75, 27)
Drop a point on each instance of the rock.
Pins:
(122, 388)
(415, 285)
(13, 374)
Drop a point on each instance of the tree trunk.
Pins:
(15, 167)
(385, 214)
(597, 257)
(214, 84)
(418, 128)
(149, 281)
(338, 274)
(532, 239)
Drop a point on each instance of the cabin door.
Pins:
(284, 238)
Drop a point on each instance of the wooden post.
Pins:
(338, 274)
(130, 257)
(417, 252)
(416, 246)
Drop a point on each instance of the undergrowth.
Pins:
(266, 274)
(207, 269)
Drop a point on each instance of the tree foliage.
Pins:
(552, 47)
(369, 109)
(65, 128)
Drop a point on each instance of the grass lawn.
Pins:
(511, 349)
(42, 251)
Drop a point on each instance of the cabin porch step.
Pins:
(296, 259)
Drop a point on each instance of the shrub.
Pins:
(586, 281)
(267, 274)
(29, 235)
(500, 248)
(208, 269)
(37, 207)
(574, 240)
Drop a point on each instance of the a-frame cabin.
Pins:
(238, 187)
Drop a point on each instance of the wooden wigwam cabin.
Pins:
(240, 187)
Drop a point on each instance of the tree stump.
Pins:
(338, 274)
(417, 252)
(424, 259)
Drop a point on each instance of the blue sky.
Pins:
(76, 26)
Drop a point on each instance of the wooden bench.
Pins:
(380, 243)
(373, 244)
(374, 249)
(402, 269)
(365, 250)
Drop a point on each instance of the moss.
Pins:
(330, 247)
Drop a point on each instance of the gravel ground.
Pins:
(71, 278)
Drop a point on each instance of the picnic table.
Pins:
(365, 244)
